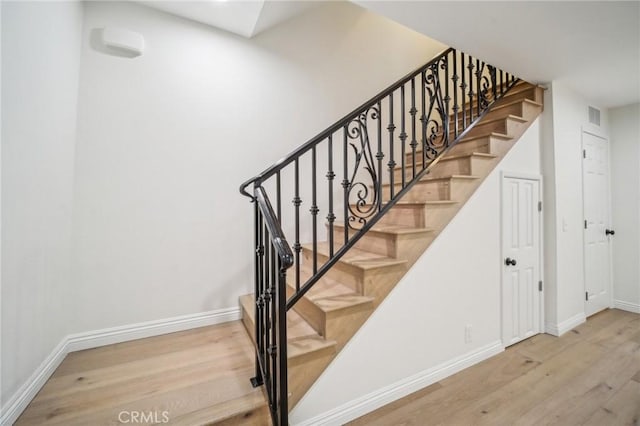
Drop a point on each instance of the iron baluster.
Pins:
(447, 114)
(414, 142)
(331, 217)
(463, 88)
(423, 118)
(379, 157)
(403, 135)
(345, 186)
(454, 79)
(478, 77)
(296, 202)
(391, 164)
(282, 386)
(470, 68)
(314, 210)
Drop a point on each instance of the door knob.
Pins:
(508, 261)
(610, 232)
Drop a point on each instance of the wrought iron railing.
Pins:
(411, 124)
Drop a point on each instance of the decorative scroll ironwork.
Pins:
(437, 117)
(486, 84)
(364, 206)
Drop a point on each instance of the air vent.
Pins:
(594, 116)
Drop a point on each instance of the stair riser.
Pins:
(358, 279)
(310, 312)
(495, 126)
(390, 245)
(439, 215)
(480, 145)
(483, 146)
(405, 215)
(342, 328)
(248, 324)
(498, 127)
(433, 191)
(471, 166)
(534, 93)
(514, 109)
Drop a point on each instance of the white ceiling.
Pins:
(592, 46)
(243, 17)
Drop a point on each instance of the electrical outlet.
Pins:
(467, 334)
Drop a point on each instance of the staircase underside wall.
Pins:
(417, 335)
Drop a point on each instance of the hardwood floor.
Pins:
(194, 377)
(589, 376)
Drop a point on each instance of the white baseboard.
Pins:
(366, 404)
(627, 306)
(560, 328)
(109, 336)
(19, 401)
(93, 339)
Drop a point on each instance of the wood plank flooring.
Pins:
(194, 377)
(589, 376)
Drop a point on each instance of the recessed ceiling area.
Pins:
(246, 18)
(594, 47)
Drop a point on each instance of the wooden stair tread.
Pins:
(326, 287)
(301, 347)
(450, 157)
(337, 303)
(393, 229)
(493, 134)
(486, 135)
(427, 179)
(254, 405)
(448, 177)
(359, 258)
(516, 90)
(494, 120)
(508, 103)
(297, 327)
(298, 345)
(418, 203)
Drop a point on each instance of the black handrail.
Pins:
(438, 104)
(271, 222)
(280, 164)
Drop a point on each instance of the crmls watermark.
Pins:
(143, 417)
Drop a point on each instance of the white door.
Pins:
(595, 182)
(521, 286)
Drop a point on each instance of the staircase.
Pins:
(438, 145)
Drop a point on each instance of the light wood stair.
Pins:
(327, 316)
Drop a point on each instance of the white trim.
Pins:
(93, 339)
(109, 336)
(627, 306)
(566, 325)
(376, 399)
(541, 294)
(609, 217)
(29, 389)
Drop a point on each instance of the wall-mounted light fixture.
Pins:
(122, 42)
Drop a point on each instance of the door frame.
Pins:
(604, 136)
(524, 176)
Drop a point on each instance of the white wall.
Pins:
(40, 64)
(421, 324)
(164, 140)
(625, 205)
(562, 165)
